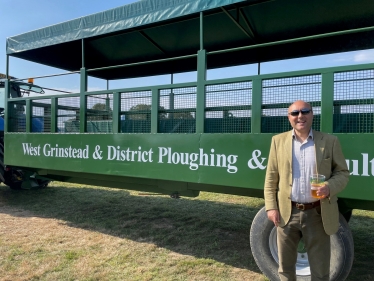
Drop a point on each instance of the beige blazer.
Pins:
(278, 180)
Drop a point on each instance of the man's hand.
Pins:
(323, 191)
(273, 215)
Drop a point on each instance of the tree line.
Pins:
(101, 111)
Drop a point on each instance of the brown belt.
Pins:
(306, 206)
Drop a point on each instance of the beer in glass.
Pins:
(316, 181)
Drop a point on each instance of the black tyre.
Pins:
(2, 166)
(263, 237)
(347, 215)
(43, 183)
(13, 177)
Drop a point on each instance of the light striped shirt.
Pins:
(303, 166)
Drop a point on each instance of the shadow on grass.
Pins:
(362, 229)
(201, 228)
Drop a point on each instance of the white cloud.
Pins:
(342, 59)
(364, 56)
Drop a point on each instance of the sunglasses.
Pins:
(304, 111)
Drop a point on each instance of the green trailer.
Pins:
(205, 135)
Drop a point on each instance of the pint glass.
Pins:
(316, 181)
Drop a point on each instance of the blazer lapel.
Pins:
(288, 148)
(319, 146)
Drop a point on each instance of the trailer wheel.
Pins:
(9, 178)
(43, 183)
(347, 215)
(2, 166)
(13, 179)
(263, 240)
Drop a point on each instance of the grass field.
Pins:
(78, 232)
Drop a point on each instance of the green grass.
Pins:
(78, 232)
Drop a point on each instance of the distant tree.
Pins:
(181, 115)
(99, 106)
(144, 112)
(100, 112)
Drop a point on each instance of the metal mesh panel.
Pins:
(99, 113)
(136, 112)
(177, 110)
(17, 117)
(228, 108)
(278, 94)
(353, 102)
(68, 110)
(41, 116)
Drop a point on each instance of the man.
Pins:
(294, 157)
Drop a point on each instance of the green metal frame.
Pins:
(179, 180)
(256, 105)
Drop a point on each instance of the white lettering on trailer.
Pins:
(28, 149)
(194, 160)
(118, 154)
(354, 168)
(166, 155)
(65, 152)
(254, 163)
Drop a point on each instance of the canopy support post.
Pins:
(54, 113)
(256, 107)
(154, 110)
(171, 97)
(6, 95)
(116, 115)
(327, 102)
(83, 98)
(201, 80)
(28, 115)
(83, 62)
(201, 31)
(83, 101)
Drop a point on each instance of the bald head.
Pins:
(299, 104)
(300, 115)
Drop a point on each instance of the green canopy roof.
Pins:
(161, 29)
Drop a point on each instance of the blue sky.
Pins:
(20, 16)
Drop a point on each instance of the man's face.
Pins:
(301, 123)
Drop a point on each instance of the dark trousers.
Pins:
(306, 224)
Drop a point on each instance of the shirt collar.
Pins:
(309, 136)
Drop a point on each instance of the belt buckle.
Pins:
(300, 206)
